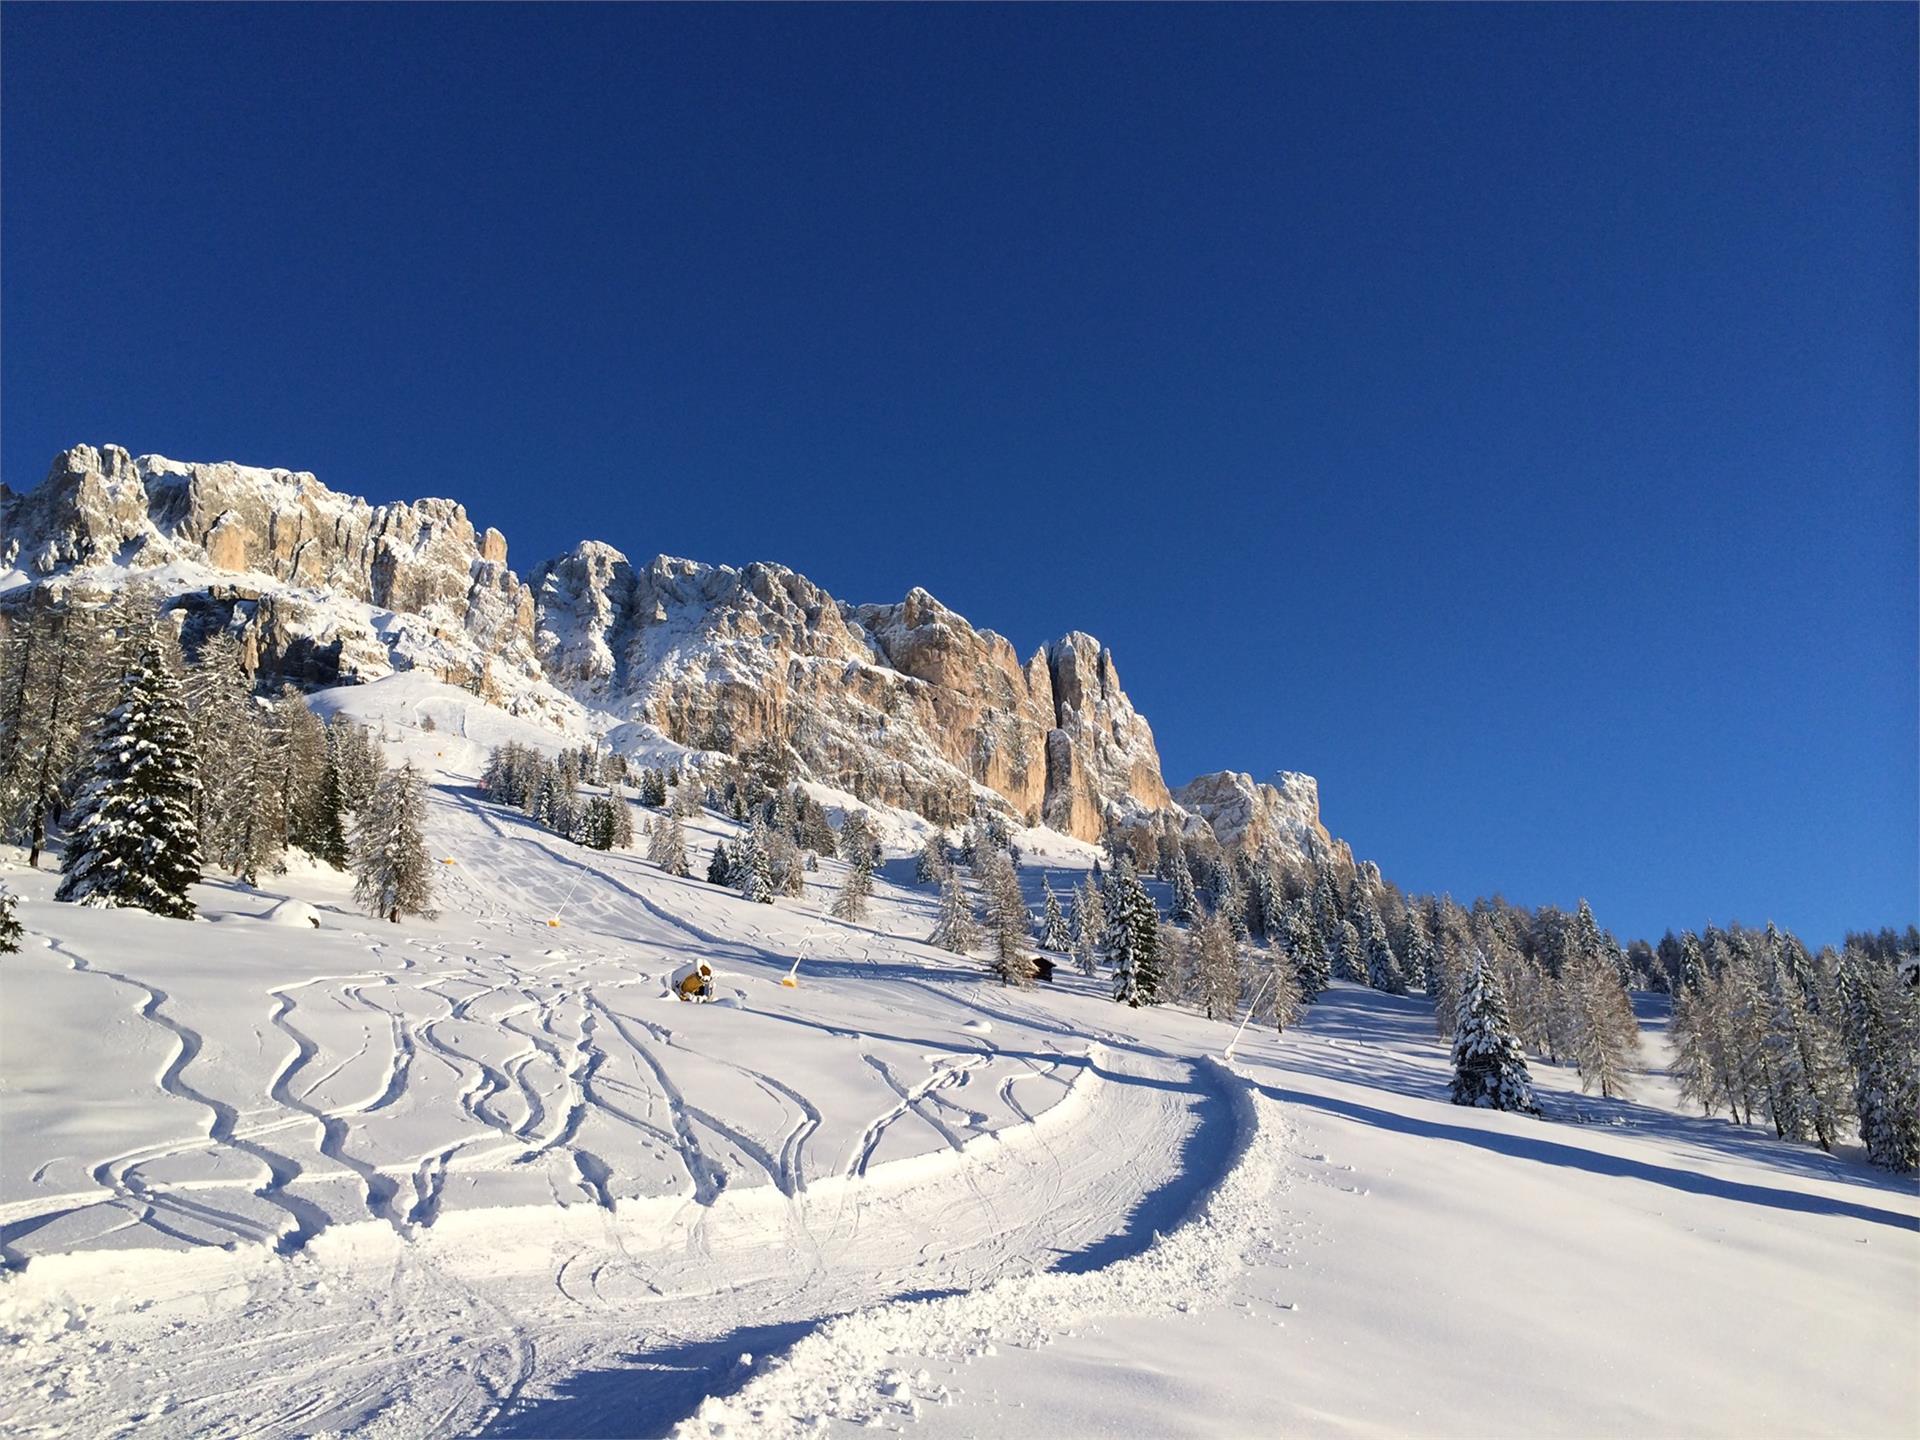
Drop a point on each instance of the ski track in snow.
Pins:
(484, 1175)
(375, 1286)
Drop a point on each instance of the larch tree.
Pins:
(58, 670)
(1217, 969)
(133, 841)
(1089, 924)
(956, 929)
(1880, 1024)
(855, 890)
(392, 872)
(1008, 922)
(930, 866)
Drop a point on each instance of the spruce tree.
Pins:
(393, 874)
(325, 826)
(1133, 941)
(1349, 955)
(1301, 944)
(1383, 966)
(10, 932)
(133, 840)
(1186, 900)
(1054, 933)
(752, 866)
(1423, 956)
(1489, 1066)
(720, 866)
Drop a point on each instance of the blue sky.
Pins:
(1507, 415)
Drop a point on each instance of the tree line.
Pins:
(156, 766)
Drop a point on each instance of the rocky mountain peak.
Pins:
(906, 703)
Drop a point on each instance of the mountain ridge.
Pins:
(905, 703)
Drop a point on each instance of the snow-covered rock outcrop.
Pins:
(277, 553)
(904, 704)
(1282, 813)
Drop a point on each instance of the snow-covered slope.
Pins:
(906, 704)
(481, 1175)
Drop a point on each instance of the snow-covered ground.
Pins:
(481, 1174)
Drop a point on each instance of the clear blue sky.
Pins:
(1507, 415)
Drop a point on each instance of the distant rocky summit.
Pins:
(906, 704)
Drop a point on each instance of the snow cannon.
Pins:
(554, 924)
(791, 980)
(693, 981)
(447, 860)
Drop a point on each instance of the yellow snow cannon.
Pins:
(693, 982)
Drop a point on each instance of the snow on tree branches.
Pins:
(134, 841)
(393, 874)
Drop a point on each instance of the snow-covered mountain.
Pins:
(906, 704)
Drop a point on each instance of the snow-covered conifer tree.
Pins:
(752, 866)
(930, 865)
(1383, 966)
(1880, 1023)
(1186, 899)
(133, 840)
(672, 844)
(1133, 941)
(851, 901)
(392, 872)
(361, 768)
(1008, 923)
(10, 932)
(720, 866)
(1422, 955)
(1288, 997)
(1489, 1067)
(1349, 955)
(54, 682)
(1299, 942)
(956, 929)
(1054, 933)
(1217, 969)
(1810, 1091)
(1601, 1034)
(1089, 924)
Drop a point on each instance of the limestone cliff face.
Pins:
(905, 704)
(1281, 814)
(285, 547)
